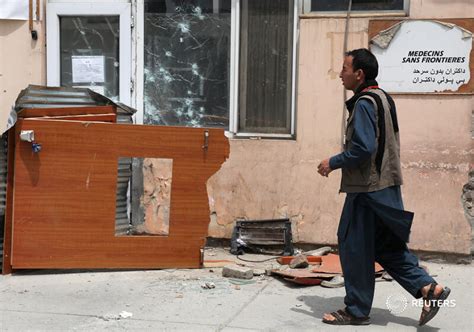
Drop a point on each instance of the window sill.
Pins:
(314, 15)
(256, 136)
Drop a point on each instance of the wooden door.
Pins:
(64, 196)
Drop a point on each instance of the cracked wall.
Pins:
(156, 199)
(150, 197)
(467, 201)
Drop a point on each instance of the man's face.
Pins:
(350, 79)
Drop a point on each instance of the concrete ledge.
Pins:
(429, 256)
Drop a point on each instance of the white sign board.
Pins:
(424, 56)
(88, 69)
(16, 9)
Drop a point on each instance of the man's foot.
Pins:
(433, 294)
(342, 317)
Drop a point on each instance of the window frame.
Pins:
(307, 10)
(233, 131)
(121, 8)
(138, 60)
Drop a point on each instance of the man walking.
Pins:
(373, 225)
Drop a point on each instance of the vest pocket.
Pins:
(359, 176)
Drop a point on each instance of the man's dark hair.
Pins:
(363, 59)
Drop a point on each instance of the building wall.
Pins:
(265, 179)
(269, 179)
(22, 62)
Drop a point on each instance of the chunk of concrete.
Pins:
(258, 272)
(238, 272)
(299, 262)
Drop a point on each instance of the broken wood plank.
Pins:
(217, 262)
(110, 117)
(64, 111)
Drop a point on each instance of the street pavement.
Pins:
(175, 300)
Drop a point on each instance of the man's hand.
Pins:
(323, 168)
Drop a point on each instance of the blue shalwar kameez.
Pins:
(373, 227)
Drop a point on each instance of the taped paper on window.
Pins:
(86, 69)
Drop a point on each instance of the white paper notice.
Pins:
(14, 9)
(87, 69)
(425, 56)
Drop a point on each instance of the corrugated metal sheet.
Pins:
(35, 96)
(122, 221)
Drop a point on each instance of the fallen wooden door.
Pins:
(64, 196)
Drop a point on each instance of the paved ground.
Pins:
(174, 300)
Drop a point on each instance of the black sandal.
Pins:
(342, 317)
(433, 303)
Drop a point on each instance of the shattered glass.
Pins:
(187, 63)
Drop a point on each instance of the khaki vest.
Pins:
(365, 177)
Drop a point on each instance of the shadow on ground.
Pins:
(379, 317)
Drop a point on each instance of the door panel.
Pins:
(64, 196)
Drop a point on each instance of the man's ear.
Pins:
(360, 75)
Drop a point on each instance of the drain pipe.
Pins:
(346, 32)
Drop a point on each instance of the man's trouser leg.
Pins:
(356, 250)
(393, 254)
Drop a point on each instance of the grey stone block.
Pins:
(236, 271)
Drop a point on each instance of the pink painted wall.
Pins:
(22, 62)
(269, 179)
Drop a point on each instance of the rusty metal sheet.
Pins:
(303, 273)
(305, 281)
(332, 264)
(312, 260)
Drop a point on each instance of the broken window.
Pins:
(266, 59)
(187, 71)
(89, 53)
(362, 5)
(187, 62)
